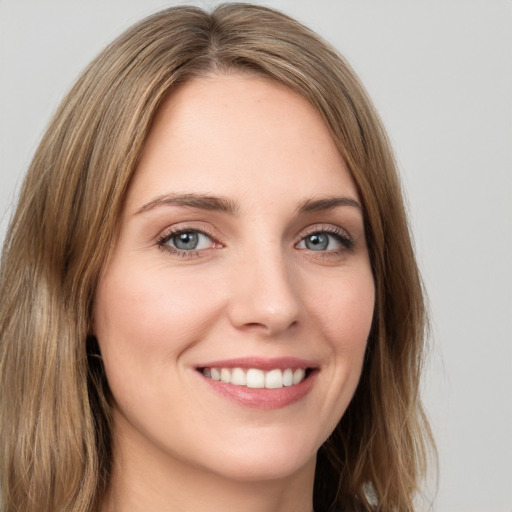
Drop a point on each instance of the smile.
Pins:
(256, 378)
(261, 383)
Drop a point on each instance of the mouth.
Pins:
(261, 383)
(256, 378)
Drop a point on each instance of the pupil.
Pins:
(317, 242)
(186, 241)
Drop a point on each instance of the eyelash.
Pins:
(338, 234)
(168, 235)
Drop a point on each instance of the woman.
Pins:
(209, 294)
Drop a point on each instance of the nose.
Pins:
(264, 297)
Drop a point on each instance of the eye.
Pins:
(189, 241)
(317, 242)
(185, 242)
(326, 241)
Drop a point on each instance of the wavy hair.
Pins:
(55, 435)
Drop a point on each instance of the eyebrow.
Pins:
(225, 205)
(327, 203)
(201, 201)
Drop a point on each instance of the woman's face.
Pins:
(241, 256)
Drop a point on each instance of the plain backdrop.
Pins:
(440, 73)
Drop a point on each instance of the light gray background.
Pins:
(440, 72)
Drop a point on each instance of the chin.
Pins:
(263, 455)
(259, 468)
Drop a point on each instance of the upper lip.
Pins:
(261, 363)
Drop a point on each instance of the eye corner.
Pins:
(195, 241)
(325, 240)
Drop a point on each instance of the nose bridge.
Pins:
(264, 294)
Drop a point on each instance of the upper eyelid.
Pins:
(167, 234)
(172, 233)
(342, 235)
(319, 228)
(216, 236)
(174, 230)
(206, 229)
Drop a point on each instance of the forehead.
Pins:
(239, 135)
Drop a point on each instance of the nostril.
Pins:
(272, 325)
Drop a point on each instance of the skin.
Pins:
(252, 288)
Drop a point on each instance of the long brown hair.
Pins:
(55, 435)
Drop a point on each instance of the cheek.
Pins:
(341, 310)
(146, 320)
(344, 309)
(345, 316)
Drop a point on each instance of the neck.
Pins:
(144, 480)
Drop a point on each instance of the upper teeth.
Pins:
(255, 378)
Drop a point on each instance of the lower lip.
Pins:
(263, 398)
